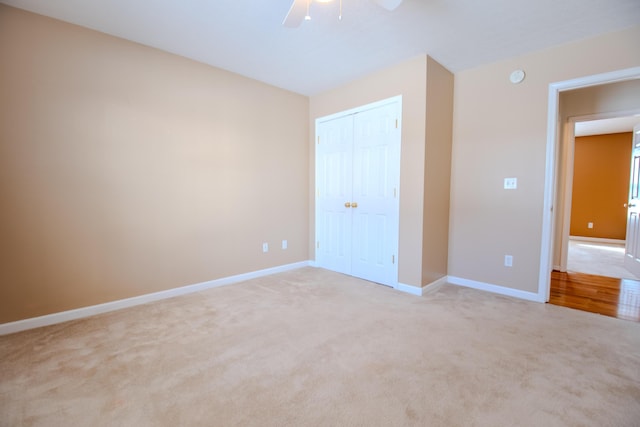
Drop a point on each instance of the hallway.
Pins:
(602, 259)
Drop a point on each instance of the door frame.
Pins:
(376, 104)
(551, 190)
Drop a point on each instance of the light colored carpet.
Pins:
(315, 348)
(601, 259)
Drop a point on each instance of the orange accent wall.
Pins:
(601, 185)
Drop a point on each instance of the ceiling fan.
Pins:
(299, 10)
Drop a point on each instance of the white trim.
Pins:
(434, 286)
(425, 290)
(605, 115)
(413, 290)
(79, 313)
(597, 240)
(529, 296)
(550, 185)
(548, 222)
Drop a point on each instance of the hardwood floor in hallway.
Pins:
(597, 294)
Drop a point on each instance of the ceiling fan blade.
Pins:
(296, 14)
(388, 4)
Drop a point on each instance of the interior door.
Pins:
(632, 247)
(334, 170)
(376, 172)
(357, 199)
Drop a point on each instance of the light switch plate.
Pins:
(508, 260)
(510, 183)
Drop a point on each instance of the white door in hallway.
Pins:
(632, 247)
(357, 199)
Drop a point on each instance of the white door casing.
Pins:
(357, 196)
(632, 245)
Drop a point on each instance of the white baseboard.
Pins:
(413, 290)
(435, 285)
(597, 240)
(425, 290)
(64, 316)
(529, 296)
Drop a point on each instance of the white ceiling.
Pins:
(246, 36)
(606, 126)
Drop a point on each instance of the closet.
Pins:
(357, 191)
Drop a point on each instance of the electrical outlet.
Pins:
(284, 244)
(265, 247)
(589, 225)
(508, 260)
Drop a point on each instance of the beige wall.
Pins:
(608, 98)
(601, 185)
(437, 172)
(424, 163)
(500, 130)
(125, 170)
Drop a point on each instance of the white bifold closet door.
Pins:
(357, 195)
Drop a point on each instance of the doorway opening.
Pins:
(597, 154)
(555, 192)
(592, 275)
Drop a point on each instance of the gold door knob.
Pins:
(354, 205)
(347, 205)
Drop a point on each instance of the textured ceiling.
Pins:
(246, 36)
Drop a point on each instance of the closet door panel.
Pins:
(357, 200)
(375, 186)
(334, 171)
